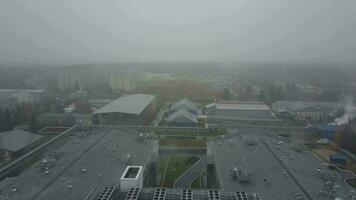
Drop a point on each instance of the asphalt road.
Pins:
(191, 174)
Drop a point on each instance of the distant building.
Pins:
(311, 113)
(68, 77)
(126, 82)
(136, 109)
(182, 118)
(18, 142)
(307, 110)
(8, 103)
(243, 110)
(22, 95)
(186, 105)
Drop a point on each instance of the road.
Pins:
(191, 174)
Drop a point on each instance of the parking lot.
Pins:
(278, 170)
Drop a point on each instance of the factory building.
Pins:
(136, 109)
(243, 110)
(312, 111)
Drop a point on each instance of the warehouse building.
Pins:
(312, 111)
(243, 110)
(136, 109)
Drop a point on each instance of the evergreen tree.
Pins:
(262, 96)
(226, 94)
(1, 120)
(76, 86)
(8, 122)
(69, 120)
(34, 124)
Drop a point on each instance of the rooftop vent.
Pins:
(160, 194)
(214, 195)
(133, 194)
(241, 196)
(106, 193)
(186, 195)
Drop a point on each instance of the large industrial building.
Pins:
(307, 110)
(136, 109)
(242, 110)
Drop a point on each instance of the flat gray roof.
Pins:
(130, 104)
(17, 139)
(241, 106)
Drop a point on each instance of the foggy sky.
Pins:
(84, 31)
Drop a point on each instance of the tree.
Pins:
(76, 86)
(1, 120)
(226, 94)
(69, 120)
(262, 96)
(7, 118)
(34, 124)
(19, 115)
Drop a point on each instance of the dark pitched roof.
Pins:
(15, 140)
(182, 114)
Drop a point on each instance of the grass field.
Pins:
(198, 182)
(173, 167)
(182, 142)
(191, 133)
(325, 151)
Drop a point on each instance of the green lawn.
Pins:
(173, 167)
(198, 182)
(182, 143)
(191, 133)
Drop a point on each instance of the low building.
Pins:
(182, 118)
(243, 110)
(136, 109)
(186, 105)
(311, 113)
(307, 110)
(18, 142)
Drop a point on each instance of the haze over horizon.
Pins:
(88, 31)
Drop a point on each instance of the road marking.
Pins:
(165, 171)
(186, 172)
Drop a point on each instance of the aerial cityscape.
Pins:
(177, 100)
